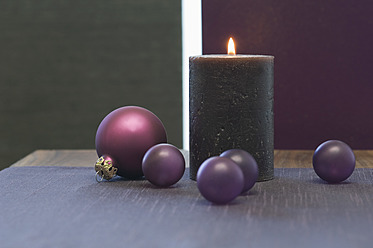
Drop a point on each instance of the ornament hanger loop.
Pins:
(98, 180)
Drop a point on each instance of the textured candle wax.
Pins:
(231, 106)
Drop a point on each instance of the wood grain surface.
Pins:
(65, 207)
(296, 209)
(86, 158)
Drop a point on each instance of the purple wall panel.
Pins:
(323, 63)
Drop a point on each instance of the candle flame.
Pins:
(231, 48)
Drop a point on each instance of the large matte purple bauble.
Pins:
(126, 134)
(163, 165)
(333, 161)
(220, 180)
(247, 164)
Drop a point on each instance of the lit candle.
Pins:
(231, 106)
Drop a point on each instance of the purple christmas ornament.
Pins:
(220, 180)
(126, 134)
(247, 164)
(333, 161)
(163, 165)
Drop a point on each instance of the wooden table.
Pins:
(86, 158)
(51, 199)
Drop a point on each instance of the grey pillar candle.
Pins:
(231, 106)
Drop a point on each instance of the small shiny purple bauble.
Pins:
(333, 161)
(163, 165)
(247, 164)
(109, 158)
(126, 134)
(220, 180)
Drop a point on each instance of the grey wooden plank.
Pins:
(66, 207)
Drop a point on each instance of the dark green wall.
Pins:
(64, 65)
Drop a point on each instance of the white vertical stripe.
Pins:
(192, 45)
